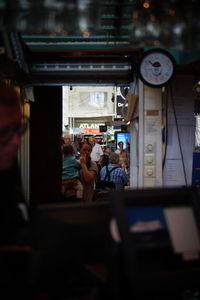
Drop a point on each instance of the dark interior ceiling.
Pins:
(66, 29)
(132, 23)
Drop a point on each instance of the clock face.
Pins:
(156, 67)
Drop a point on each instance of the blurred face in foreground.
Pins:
(10, 136)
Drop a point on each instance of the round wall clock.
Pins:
(156, 67)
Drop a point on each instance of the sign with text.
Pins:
(120, 102)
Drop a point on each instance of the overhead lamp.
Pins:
(146, 4)
(197, 88)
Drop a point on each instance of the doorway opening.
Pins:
(96, 111)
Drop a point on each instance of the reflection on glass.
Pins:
(98, 99)
(197, 133)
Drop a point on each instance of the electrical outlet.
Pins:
(149, 159)
(149, 171)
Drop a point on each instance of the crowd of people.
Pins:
(86, 162)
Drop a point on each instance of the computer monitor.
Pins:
(159, 245)
(161, 217)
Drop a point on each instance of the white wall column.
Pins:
(150, 137)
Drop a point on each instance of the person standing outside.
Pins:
(105, 158)
(118, 174)
(70, 173)
(97, 151)
(67, 140)
(88, 172)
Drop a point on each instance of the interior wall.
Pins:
(45, 142)
(180, 136)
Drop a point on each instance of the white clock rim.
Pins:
(159, 80)
(152, 81)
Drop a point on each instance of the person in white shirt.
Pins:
(97, 151)
(96, 154)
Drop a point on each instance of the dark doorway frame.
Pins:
(45, 145)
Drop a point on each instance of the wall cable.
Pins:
(165, 129)
(178, 134)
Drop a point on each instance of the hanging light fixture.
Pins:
(197, 88)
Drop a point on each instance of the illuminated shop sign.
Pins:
(91, 128)
(85, 131)
(120, 103)
(87, 128)
(92, 125)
